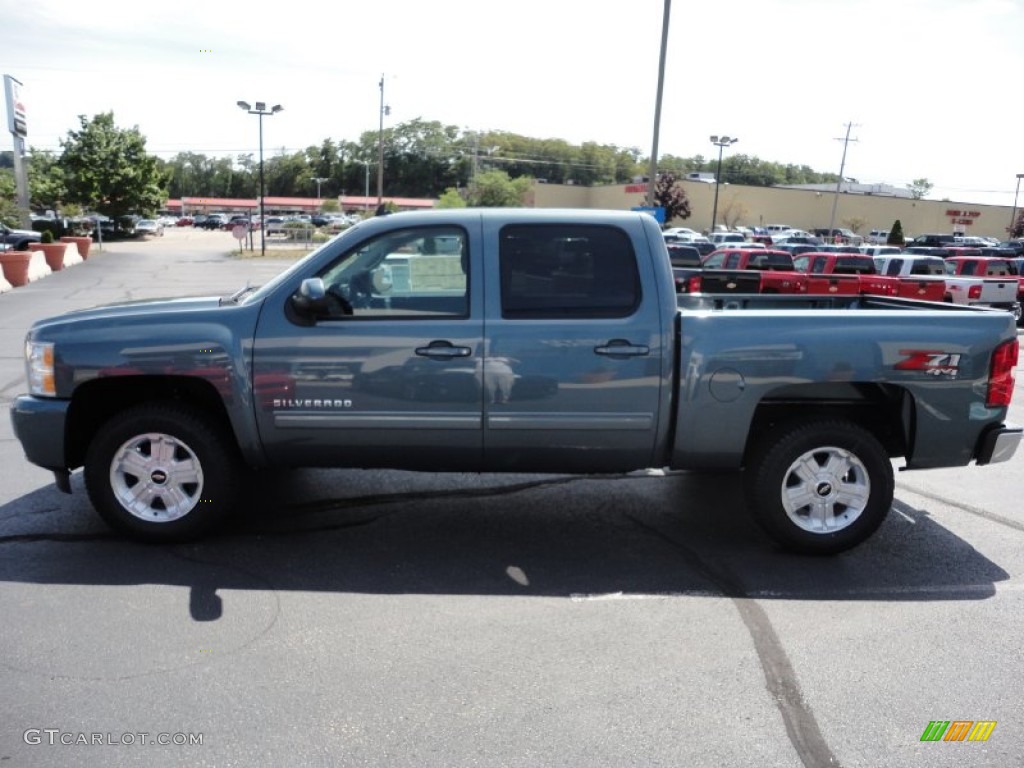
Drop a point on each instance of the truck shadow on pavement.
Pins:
(581, 538)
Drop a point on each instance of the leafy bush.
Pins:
(46, 236)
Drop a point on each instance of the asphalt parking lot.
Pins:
(362, 618)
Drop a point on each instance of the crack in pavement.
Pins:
(983, 513)
(780, 677)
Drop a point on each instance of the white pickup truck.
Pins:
(979, 289)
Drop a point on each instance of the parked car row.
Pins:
(334, 221)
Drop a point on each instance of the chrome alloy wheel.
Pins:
(156, 477)
(825, 490)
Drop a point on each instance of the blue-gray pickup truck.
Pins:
(509, 340)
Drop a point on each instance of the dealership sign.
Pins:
(965, 218)
(15, 107)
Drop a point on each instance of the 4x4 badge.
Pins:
(929, 361)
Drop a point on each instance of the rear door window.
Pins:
(567, 270)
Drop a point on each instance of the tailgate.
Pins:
(922, 288)
(999, 290)
(726, 281)
(840, 285)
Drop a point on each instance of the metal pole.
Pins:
(1013, 214)
(653, 171)
(721, 142)
(839, 184)
(263, 217)
(718, 181)
(380, 147)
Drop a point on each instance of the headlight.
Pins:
(39, 368)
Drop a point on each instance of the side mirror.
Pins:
(311, 298)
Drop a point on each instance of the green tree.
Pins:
(46, 187)
(495, 189)
(669, 194)
(108, 167)
(1017, 230)
(896, 235)
(451, 199)
(10, 213)
(919, 188)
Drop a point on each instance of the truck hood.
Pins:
(144, 310)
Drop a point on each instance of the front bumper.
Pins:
(998, 444)
(39, 425)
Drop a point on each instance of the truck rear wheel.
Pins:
(161, 472)
(820, 487)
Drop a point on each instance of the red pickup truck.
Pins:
(778, 275)
(863, 269)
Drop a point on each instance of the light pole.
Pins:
(721, 142)
(318, 180)
(261, 110)
(384, 110)
(652, 174)
(1013, 214)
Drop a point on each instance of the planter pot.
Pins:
(52, 252)
(15, 265)
(83, 244)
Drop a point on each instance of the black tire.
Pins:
(162, 472)
(843, 471)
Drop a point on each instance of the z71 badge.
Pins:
(929, 361)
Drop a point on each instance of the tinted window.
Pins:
(684, 256)
(556, 270)
(928, 267)
(858, 266)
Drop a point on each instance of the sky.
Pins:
(931, 88)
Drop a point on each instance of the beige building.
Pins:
(803, 209)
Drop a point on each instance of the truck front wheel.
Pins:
(161, 472)
(821, 487)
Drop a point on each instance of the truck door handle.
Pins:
(443, 350)
(622, 348)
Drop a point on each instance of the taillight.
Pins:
(1000, 375)
(694, 284)
(974, 292)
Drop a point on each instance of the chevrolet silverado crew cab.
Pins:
(513, 340)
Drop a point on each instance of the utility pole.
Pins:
(842, 166)
(384, 110)
(653, 172)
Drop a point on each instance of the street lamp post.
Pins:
(384, 110)
(318, 180)
(721, 142)
(1013, 214)
(261, 109)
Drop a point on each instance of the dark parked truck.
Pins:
(514, 341)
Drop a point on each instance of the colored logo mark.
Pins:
(958, 730)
